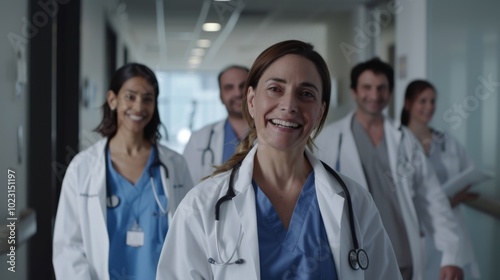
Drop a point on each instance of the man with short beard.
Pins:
(388, 161)
(215, 143)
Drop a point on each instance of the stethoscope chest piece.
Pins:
(358, 259)
(112, 201)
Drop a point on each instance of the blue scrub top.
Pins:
(302, 252)
(231, 141)
(137, 202)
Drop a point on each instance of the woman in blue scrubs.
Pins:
(274, 211)
(119, 195)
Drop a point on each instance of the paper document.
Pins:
(469, 176)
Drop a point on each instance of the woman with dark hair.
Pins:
(274, 211)
(119, 195)
(448, 158)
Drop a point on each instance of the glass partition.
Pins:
(187, 102)
(463, 64)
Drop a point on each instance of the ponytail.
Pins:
(405, 116)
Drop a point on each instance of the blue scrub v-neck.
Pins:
(137, 204)
(303, 250)
(231, 141)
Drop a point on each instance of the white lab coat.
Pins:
(455, 161)
(191, 238)
(81, 244)
(193, 152)
(420, 196)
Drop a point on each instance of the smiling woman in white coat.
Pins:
(274, 211)
(119, 195)
(449, 159)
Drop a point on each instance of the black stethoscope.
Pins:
(441, 136)
(112, 201)
(208, 149)
(358, 259)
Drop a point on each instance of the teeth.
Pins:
(136, 118)
(283, 123)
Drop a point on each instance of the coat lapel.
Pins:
(350, 161)
(98, 181)
(331, 201)
(96, 208)
(244, 202)
(393, 135)
(218, 142)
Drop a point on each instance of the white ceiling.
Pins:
(248, 27)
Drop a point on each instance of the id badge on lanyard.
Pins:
(135, 236)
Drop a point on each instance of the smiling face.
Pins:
(232, 84)
(134, 104)
(423, 107)
(286, 104)
(372, 93)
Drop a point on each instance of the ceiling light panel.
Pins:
(198, 52)
(211, 27)
(203, 43)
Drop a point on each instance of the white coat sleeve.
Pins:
(376, 243)
(68, 249)
(183, 255)
(434, 211)
(190, 155)
(185, 177)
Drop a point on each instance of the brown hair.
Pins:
(109, 122)
(263, 61)
(413, 90)
(375, 65)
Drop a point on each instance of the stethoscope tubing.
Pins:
(208, 148)
(156, 162)
(357, 257)
(349, 203)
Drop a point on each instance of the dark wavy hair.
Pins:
(413, 90)
(375, 65)
(109, 122)
(263, 61)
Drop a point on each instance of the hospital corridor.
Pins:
(250, 139)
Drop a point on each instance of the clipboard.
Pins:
(470, 176)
